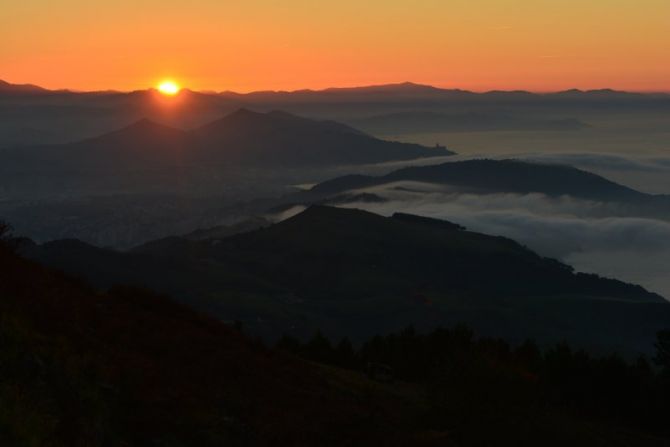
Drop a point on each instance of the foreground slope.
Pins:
(128, 367)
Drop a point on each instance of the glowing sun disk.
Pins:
(168, 88)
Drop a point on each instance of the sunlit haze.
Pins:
(261, 44)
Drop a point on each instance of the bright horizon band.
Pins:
(536, 45)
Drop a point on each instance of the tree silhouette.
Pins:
(5, 229)
(5, 233)
(320, 349)
(663, 349)
(345, 354)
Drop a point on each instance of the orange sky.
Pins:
(292, 44)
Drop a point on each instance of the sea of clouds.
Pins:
(595, 237)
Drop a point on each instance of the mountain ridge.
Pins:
(497, 176)
(7, 87)
(249, 134)
(355, 273)
(405, 86)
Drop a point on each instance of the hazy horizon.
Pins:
(397, 83)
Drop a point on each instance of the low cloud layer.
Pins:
(643, 172)
(646, 173)
(591, 236)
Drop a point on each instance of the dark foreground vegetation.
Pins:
(126, 367)
(130, 368)
(484, 382)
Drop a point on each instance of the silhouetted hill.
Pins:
(597, 94)
(427, 94)
(242, 139)
(384, 92)
(497, 176)
(243, 121)
(356, 273)
(223, 231)
(141, 146)
(406, 87)
(412, 250)
(6, 87)
(281, 139)
(428, 221)
(144, 133)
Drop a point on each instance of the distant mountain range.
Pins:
(403, 92)
(244, 137)
(31, 115)
(356, 273)
(7, 88)
(404, 88)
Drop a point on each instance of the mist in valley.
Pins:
(594, 237)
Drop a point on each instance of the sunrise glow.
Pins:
(267, 45)
(169, 88)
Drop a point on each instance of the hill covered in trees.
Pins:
(508, 389)
(350, 272)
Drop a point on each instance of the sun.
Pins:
(170, 88)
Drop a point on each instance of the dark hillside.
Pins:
(497, 176)
(128, 367)
(351, 272)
